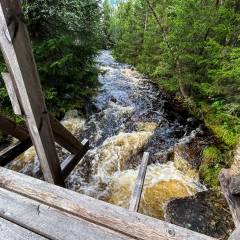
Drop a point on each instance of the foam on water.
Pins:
(128, 120)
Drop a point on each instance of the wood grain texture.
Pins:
(235, 235)
(49, 222)
(235, 185)
(64, 138)
(138, 188)
(11, 231)
(233, 201)
(11, 128)
(73, 160)
(14, 151)
(18, 55)
(115, 218)
(11, 93)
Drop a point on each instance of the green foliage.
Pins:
(211, 166)
(66, 36)
(107, 24)
(188, 47)
(191, 48)
(67, 72)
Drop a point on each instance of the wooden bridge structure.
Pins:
(35, 209)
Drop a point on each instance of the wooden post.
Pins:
(6, 156)
(11, 128)
(235, 235)
(62, 136)
(11, 93)
(137, 192)
(16, 48)
(233, 201)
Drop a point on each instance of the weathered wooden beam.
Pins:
(235, 235)
(106, 215)
(137, 191)
(14, 151)
(9, 127)
(235, 185)
(64, 138)
(16, 49)
(233, 201)
(70, 163)
(11, 231)
(49, 222)
(11, 93)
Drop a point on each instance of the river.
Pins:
(131, 115)
(130, 119)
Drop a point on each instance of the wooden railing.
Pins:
(25, 92)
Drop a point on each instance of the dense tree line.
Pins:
(66, 36)
(190, 47)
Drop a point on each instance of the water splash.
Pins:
(113, 156)
(129, 119)
(163, 182)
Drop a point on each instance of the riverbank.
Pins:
(225, 127)
(131, 115)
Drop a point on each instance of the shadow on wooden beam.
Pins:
(71, 162)
(14, 151)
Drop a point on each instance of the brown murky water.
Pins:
(129, 118)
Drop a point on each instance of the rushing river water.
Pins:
(129, 118)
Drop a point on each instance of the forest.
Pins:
(156, 76)
(190, 49)
(66, 36)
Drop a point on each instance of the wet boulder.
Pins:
(206, 212)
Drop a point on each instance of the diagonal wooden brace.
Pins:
(62, 136)
(17, 52)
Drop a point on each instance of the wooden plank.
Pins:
(11, 231)
(118, 219)
(16, 48)
(11, 128)
(137, 191)
(11, 93)
(64, 138)
(14, 151)
(233, 201)
(70, 163)
(49, 222)
(235, 235)
(235, 185)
